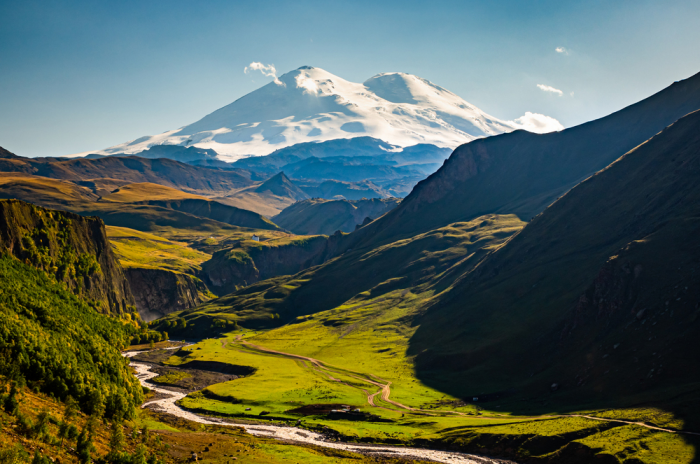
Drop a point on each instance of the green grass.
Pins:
(144, 250)
(171, 378)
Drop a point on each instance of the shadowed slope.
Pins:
(319, 216)
(522, 173)
(598, 294)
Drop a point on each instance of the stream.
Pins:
(168, 405)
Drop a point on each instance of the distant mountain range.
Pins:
(310, 104)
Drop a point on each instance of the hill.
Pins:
(522, 173)
(333, 189)
(323, 217)
(193, 179)
(267, 198)
(72, 249)
(44, 191)
(146, 191)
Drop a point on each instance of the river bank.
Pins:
(165, 402)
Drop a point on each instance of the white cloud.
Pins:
(306, 83)
(561, 50)
(266, 70)
(538, 123)
(548, 88)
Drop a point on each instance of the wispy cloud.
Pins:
(266, 70)
(538, 123)
(306, 83)
(549, 88)
(561, 50)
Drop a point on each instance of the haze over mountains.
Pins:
(311, 104)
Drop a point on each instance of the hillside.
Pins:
(44, 191)
(522, 173)
(193, 179)
(323, 217)
(268, 198)
(59, 344)
(70, 248)
(146, 191)
(249, 261)
(611, 269)
(334, 189)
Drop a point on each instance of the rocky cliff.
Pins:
(159, 292)
(250, 261)
(70, 248)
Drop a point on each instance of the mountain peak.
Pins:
(280, 185)
(310, 104)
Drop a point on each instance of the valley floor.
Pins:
(291, 387)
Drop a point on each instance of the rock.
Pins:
(554, 387)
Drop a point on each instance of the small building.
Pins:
(256, 238)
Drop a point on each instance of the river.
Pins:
(168, 405)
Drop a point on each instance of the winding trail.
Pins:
(291, 434)
(385, 391)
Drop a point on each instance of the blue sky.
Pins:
(78, 76)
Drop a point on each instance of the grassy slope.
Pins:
(144, 250)
(427, 260)
(133, 169)
(596, 294)
(50, 193)
(145, 191)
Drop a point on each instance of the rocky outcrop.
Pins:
(72, 249)
(159, 292)
(250, 261)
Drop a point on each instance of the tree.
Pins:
(116, 442)
(41, 428)
(11, 402)
(145, 434)
(84, 446)
(63, 429)
(95, 403)
(139, 456)
(71, 409)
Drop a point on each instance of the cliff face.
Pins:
(72, 249)
(250, 261)
(159, 292)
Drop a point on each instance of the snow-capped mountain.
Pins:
(310, 104)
